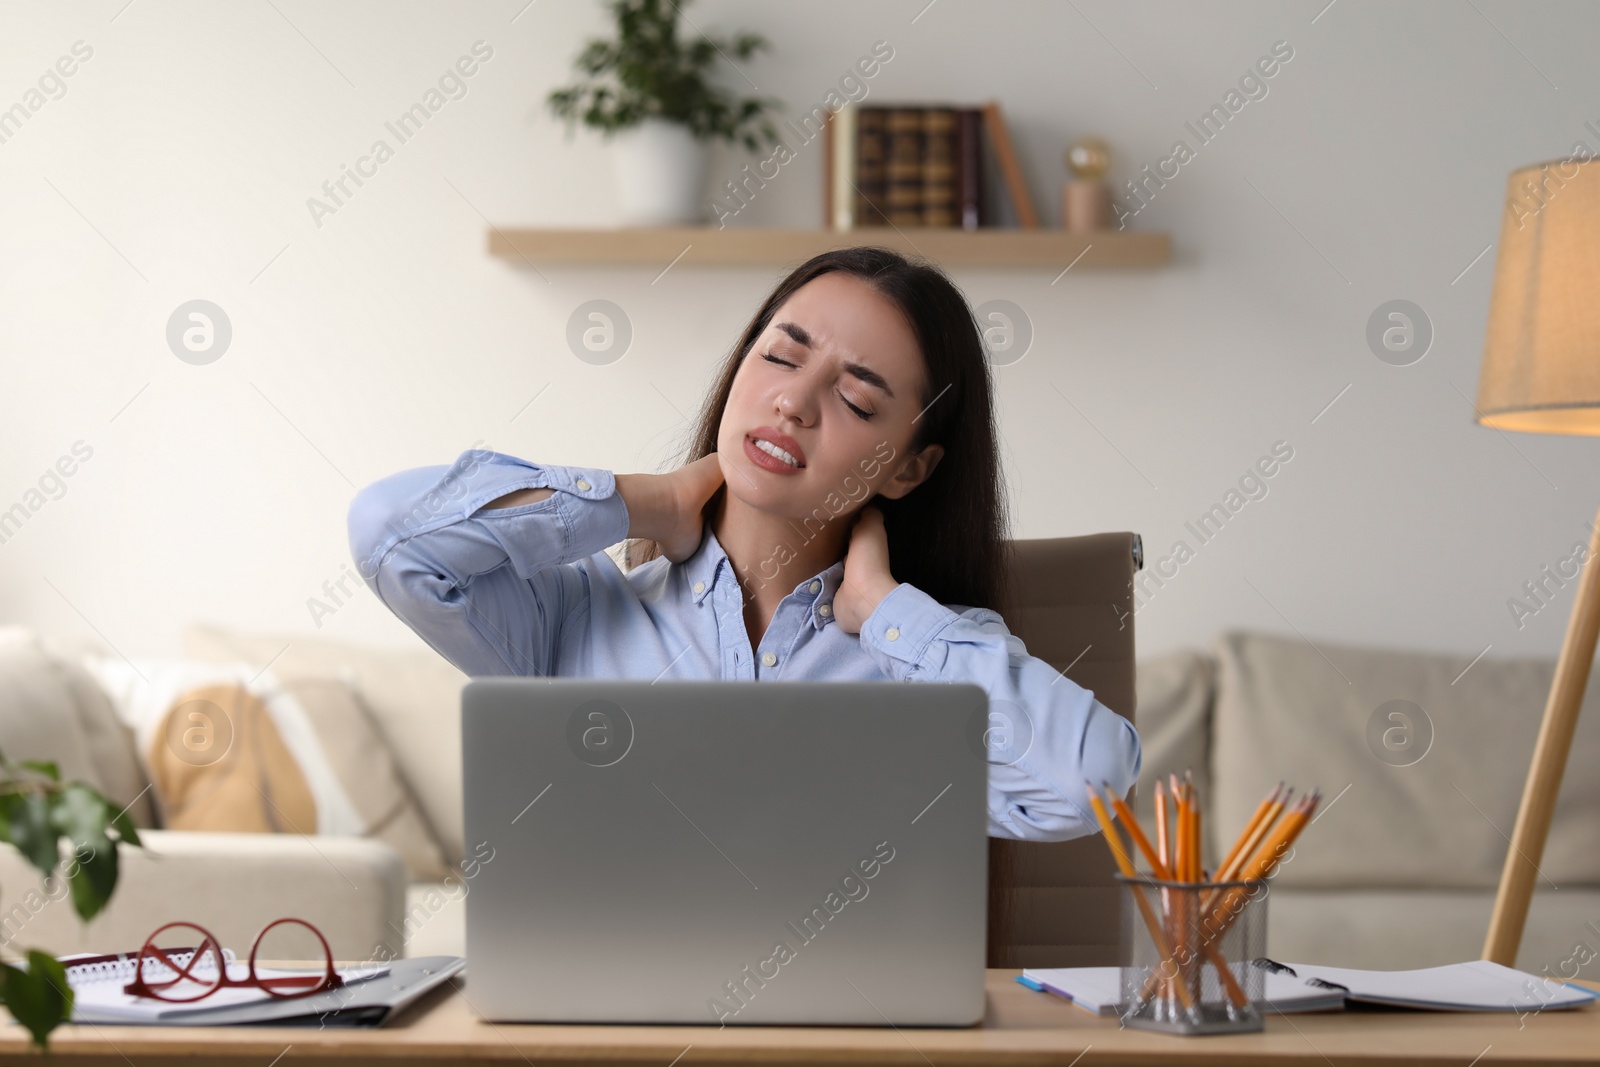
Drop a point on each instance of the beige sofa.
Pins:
(1399, 869)
(230, 883)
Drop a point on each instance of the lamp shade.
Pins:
(1541, 353)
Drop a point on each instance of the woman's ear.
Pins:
(912, 473)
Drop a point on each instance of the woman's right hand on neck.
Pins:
(666, 508)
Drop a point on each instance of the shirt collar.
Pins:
(710, 564)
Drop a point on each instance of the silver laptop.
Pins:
(726, 852)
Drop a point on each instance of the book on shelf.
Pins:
(909, 165)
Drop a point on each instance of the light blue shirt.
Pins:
(530, 590)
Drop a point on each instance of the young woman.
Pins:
(839, 518)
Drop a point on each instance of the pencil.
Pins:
(1264, 862)
(1136, 833)
(1164, 849)
(1125, 865)
(1180, 849)
(1249, 828)
(1185, 818)
(1248, 845)
(1196, 871)
(1162, 845)
(1191, 875)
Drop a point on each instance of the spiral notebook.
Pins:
(1476, 985)
(97, 989)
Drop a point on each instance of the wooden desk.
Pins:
(1022, 1027)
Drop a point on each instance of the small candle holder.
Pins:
(1188, 949)
(1086, 200)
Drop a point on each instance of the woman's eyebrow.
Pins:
(864, 373)
(796, 331)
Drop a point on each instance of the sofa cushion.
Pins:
(231, 748)
(1421, 793)
(413, 692)
(435, 922)
(1174, 717)
(1404, 929)
(50, 709)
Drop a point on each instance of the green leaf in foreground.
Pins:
(39, 997)
(82, 815)
(27, 817)
(78, 812)
(45, 767)
(126, 832)
(93, 877)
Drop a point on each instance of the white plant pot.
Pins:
(661, 174)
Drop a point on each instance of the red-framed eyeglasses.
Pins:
(158, 974)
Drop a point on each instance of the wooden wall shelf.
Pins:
(749, 246)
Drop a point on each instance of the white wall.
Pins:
(178, 163)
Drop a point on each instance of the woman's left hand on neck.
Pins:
(867, 579)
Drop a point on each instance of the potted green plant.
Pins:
(648, 91)
(37, 811)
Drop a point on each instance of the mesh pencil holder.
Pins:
(1187, 949)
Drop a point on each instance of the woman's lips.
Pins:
(766, 462)
(774, 436)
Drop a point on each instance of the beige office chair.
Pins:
(1056, 904)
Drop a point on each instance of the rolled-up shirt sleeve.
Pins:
(489, 590)
(1047, 734)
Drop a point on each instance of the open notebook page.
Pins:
(1476, 985)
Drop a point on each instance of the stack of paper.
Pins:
(98, 989)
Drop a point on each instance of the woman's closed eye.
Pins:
(863, 415)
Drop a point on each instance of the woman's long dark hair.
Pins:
(949, 536)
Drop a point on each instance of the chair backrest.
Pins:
(1056, 904)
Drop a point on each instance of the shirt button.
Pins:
(769, 660)
(583, 483)
(892, 633)
(826, 609)
(699, 587)
(816, 587)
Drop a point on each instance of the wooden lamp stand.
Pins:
(1539, 375)
(1549, 763)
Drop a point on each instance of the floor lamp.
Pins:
(1541, 374)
